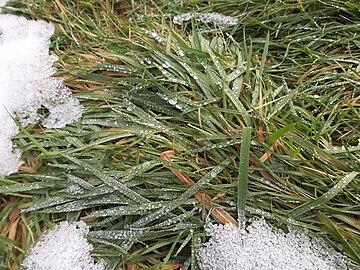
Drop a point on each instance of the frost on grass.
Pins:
(261, 247)
(26, 84)
(207, 17)
(64, 248)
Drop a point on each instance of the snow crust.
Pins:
(261, 247)
(64, 248)
(26, 84)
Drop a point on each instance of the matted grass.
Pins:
(289, 71)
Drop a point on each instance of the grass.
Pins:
(289, 71)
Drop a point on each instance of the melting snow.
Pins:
(26, 84)
(263, 248)
(64, 248)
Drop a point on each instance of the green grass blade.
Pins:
(111, 182)
(24, 187)
(325, 197)
(243, 174)
(265, 54)
(335, 231)
(281, 132)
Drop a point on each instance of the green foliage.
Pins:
(288, 70)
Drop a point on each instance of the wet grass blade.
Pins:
(325, 197)
(111, 182)
(243, 174)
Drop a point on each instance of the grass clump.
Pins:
(288, 71)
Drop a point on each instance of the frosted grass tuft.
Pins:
(207, 17)
(26, 84)
(64, 248)
(263, 248)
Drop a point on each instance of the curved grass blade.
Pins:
(326, 196)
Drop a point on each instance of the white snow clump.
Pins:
(64, 248)
(26, 84)
(207, 17)
(3, 3)
(260, 247)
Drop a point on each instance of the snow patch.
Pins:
(64, 248)
(261, 247)
(26, 84)
(206, 17)
(3, 3)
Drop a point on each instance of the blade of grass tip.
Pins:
(325, 197)
(243, 174)
(272, 139)
(281, 132)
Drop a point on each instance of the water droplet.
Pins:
(172, 101)
(166, 65)
(129, 105)
(181, 53)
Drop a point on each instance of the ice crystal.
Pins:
(207, 17)
(261, 247)
(64, 248)
(26, 84)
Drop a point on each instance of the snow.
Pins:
(261, 247)
(3, 2)
(64, 248)
(207, 17)
(26, 84)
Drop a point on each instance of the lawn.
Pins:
(193, 123)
